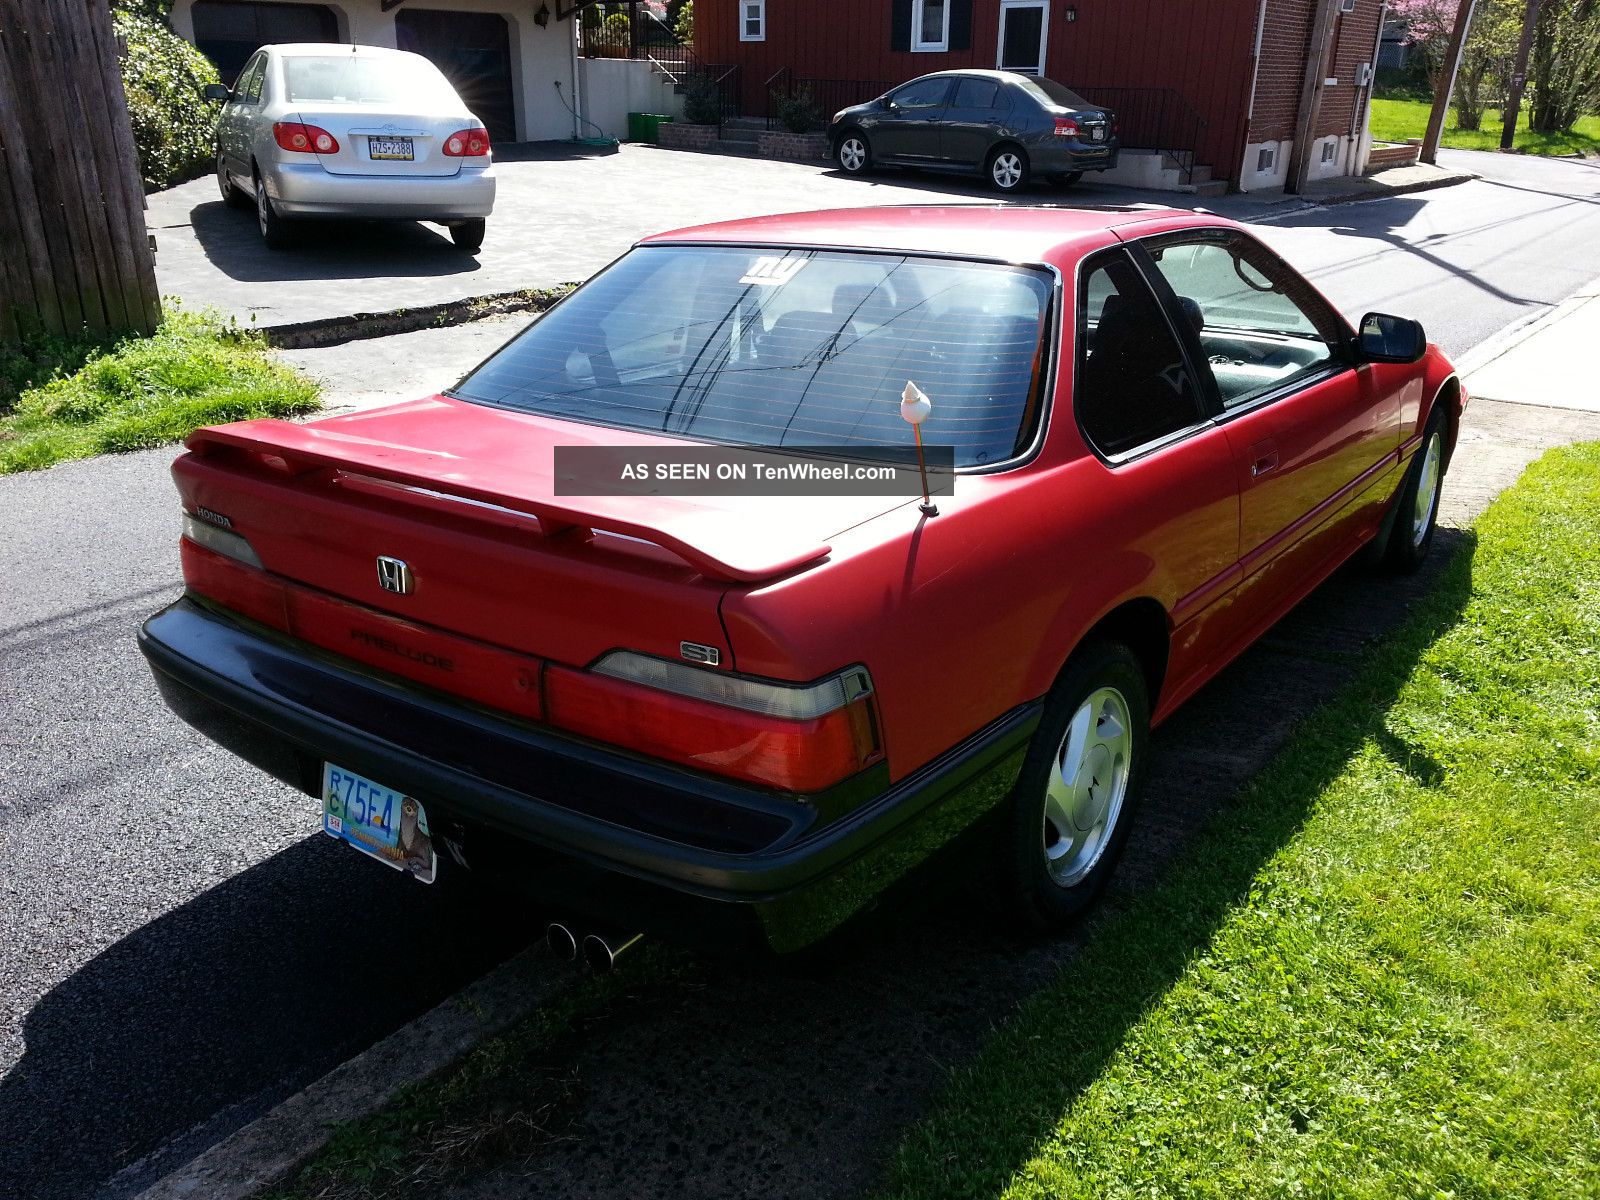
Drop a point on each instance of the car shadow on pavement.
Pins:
(734, 1081)
(326, 249)
(199, 1020)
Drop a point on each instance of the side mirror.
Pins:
(215, 91)
(1390, 339)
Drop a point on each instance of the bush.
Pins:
(702, 101)
(797, 111)
(174, 128)
(683, 23)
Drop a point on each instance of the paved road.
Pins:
(179, 947)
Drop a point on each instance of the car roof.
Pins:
(328, 49)
(1010, 233)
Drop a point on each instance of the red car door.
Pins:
(1312, 437)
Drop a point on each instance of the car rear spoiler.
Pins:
(717, 543)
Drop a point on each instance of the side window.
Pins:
(976, 93)
(1260, 325)
(1133, 386)
(925, 93)
(248, 88)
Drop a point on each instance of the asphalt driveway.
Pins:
(561, 213)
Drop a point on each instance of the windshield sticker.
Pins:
(772, 270)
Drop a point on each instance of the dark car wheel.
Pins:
(853, 153)
(274, 229)
(1417, 507)
(231, 196)
(1074, 799)
(468, 235)
(1008, 168)
(1069, 178)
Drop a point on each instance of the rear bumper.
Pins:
(1052, 157)
(623, 840)
(306, 190)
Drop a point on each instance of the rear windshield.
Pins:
(1051, 92)
(759, 347)
(348, 79)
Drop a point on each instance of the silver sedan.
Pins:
(322, 130)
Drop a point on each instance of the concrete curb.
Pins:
(268, 1149)
(334, 331)
(1513, 335)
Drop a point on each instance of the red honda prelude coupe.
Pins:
(746, 717)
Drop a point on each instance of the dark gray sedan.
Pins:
(1009, 127)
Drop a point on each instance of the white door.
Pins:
(1024, 25)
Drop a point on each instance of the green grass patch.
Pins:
(197, 369)
(1401, 120)
(1376, 974)
(512, 1096)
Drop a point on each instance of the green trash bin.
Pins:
(652, 123)
(637, 131)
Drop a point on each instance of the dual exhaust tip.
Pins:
(599, 951)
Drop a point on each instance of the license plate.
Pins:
(1097, 134)
(379, 821)
(398, 149)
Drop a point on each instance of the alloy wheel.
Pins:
(1087, 785)
(1427, 491)
(1007, 169)
(852, 154)
(263, 213)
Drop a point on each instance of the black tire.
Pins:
(231, 195)
(853, 152)
(1007, 169)
(1043, 894)
(1411, 532)
(468, 235)
(1070, 178)
(274, 229)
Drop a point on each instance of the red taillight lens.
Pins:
(793, 754)
(246, 590)
(304, 139)
(1066, 127)
(467, 143)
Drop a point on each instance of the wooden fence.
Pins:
(74, 254)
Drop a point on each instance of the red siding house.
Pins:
(1215, 90)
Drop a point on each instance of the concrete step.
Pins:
(1200, 175)
(1211, 187)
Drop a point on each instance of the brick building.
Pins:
(1224, 88)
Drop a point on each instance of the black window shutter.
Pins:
(900, 35)
(961, 24)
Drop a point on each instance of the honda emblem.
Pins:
(394, 575)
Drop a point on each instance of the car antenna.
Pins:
(914, 408)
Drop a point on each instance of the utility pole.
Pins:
(1445, 88)
(1312, 85)
(1519, 77)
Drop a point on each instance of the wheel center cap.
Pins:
(1094, 789)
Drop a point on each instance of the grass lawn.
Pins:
(1398, 120)
(1378, 975)
(196, 370)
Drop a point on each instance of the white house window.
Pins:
(930, 25)
(752, 20)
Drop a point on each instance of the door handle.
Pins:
(1263, 458)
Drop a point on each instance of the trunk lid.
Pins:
(373, 140)
(464, 495)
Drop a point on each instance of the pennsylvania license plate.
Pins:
(1097, 134)
(397, 149)
(379, 821)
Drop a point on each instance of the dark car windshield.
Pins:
(764, 347)
(1048, 91)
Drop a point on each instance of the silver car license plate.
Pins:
(396, 149)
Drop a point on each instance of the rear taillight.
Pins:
(794, 738)
(467, 143)
(304, 139)
(1066, 127)
(228, 581)
(214, 537)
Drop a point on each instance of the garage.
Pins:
(228, 32)
(474, 52)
